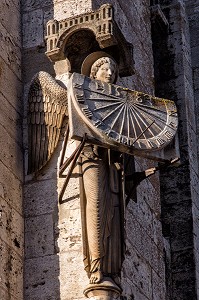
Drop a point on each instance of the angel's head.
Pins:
(104, 69)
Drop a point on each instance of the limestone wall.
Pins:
(53, 247)
(179, 187)
(193, 17)
(11, 154)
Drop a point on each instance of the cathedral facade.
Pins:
(41, 247)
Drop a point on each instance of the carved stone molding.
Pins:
(92, 31)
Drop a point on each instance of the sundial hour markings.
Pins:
(153, 108)
(105, 106)
(123, 119)
(152, 114)
(163, 120)
(151, 145)
(112, 112)
(117, 117)
(97, 123)
(139, 136)
(150, 119)
(168, 134)
(139, 118)
(160, 141)
(146, 115)
(128, 124)
(80, 98)
(146, 128)
(87, 112)
(104, 99)
(142, 120)
(135, 117)
(133, 125)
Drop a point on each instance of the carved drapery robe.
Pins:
(102, 213)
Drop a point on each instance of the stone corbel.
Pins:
(104, 32)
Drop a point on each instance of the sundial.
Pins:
(115, 117)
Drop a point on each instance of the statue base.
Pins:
(105, 290)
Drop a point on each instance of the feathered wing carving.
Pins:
(47, 106)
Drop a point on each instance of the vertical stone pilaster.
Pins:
(193, 17)
(177, 185)
(11, 154)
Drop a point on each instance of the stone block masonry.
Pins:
(179, 186)
(11, 153)
(162, 266)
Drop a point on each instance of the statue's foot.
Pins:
(96, 277)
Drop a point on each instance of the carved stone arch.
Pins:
(63, 39)
(67, 39)
(78, 45)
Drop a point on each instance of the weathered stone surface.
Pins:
(33, 29)
(11, 93)
(71, 284)
(63, 9)
(11, 265)
(9, 149)
(184, 283)
(139, 271)
(11, 188)
(40, 236)
(10, 116)
(11, 227)
(5, 295)
(69, 229)
(29, 5)
(159, 287)
(149, 194)
(42, 278)
(11, 159)
(11, 8)
(131, 291)
(30, 68)
(40, 198)
(10, 51)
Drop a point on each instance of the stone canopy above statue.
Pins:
(76, 37)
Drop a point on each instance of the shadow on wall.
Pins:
(41, 268)
(35, 15)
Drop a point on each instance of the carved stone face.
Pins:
(104, 69)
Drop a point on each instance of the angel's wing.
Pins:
(47, 106)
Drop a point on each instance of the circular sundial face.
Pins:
(129, 118)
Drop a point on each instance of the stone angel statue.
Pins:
(48, 105)
(115, 120)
